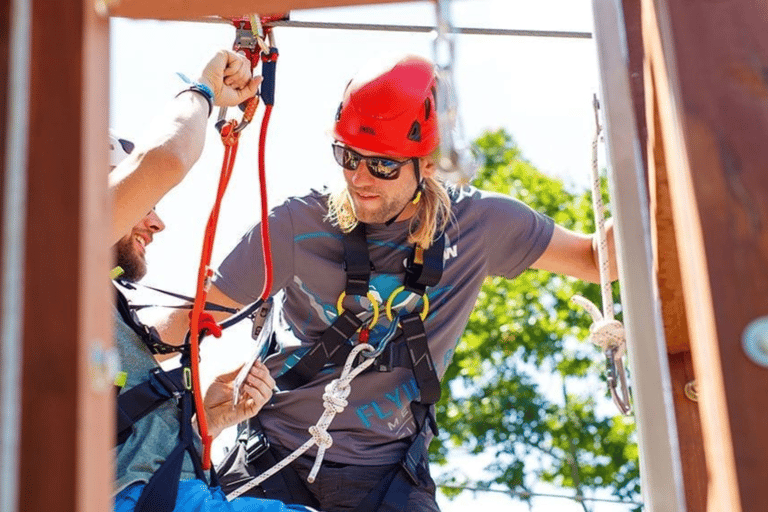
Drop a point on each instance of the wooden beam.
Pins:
(711, 82)
(670, 287)
(194, 9)
(67, 434)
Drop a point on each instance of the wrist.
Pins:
(201, 88)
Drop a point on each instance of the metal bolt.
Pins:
(691, 391)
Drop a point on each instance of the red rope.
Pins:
(230, 138)
(266, 246)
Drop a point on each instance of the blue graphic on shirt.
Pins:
(391, 407)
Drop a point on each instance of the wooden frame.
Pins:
(706, 120)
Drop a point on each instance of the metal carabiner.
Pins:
(373, 354)
(249, 41)
(617, 377)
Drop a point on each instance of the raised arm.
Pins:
(174, 142)
(575, 254)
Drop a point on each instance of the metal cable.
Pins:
(427, 29)
(527, 494)
(473, 31)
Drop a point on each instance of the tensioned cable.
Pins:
(526, 494)
(474, 31)
(426, 28)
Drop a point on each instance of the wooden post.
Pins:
(66, 437)
(707, 63)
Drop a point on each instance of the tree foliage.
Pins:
(524, 386)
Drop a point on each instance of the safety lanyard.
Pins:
(255, 49)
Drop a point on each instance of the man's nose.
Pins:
(154, 222)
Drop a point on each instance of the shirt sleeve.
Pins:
(516, 235)
(241, 275)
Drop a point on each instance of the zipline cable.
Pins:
(379, 27)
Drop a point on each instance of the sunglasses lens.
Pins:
(383, 168)
(345, 158)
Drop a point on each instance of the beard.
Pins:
(134, 266)
(389, 208)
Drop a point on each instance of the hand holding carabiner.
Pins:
(229, 76)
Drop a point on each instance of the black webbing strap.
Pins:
(357, 263)
(159, 495)
(148, 335)
(357, 266)
(392, 492)
(142, 399)
(423, 368)
(321, 352)
(425, 267)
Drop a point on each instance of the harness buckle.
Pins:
(383, 362)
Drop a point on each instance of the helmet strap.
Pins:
(416, 197)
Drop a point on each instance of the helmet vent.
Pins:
(415, 132)
(427, 109)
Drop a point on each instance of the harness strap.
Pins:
(357, 263)
(209, 306)
(423, 367)
(148, 335)
(142, 399)
(425, 268)
(392, 492)
(160, 493)
(321, 352)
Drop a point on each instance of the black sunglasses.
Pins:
(379, 166)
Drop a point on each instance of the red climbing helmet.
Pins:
(391, 110)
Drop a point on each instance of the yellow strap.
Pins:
(120, 379)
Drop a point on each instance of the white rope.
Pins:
(334, 402)
(605, 332)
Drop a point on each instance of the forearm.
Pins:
(159, 162)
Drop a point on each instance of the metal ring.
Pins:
(396, 292)
(370, 297)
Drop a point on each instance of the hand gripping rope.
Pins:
(334, 402)
(605, 331)
(250, 41)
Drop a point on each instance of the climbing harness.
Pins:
(605, 331)
(159, 494)
(423, 268)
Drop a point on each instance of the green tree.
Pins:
(524, 385)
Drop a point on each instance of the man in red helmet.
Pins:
(395, 259)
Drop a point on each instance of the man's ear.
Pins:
(427, 167)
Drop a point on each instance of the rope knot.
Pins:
(334, 398)
(608, 334)
(321, 437)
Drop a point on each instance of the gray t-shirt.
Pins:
(490, 235)
(155, 435)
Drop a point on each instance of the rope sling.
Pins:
(605, 331)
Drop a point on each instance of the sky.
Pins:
(538, 89)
